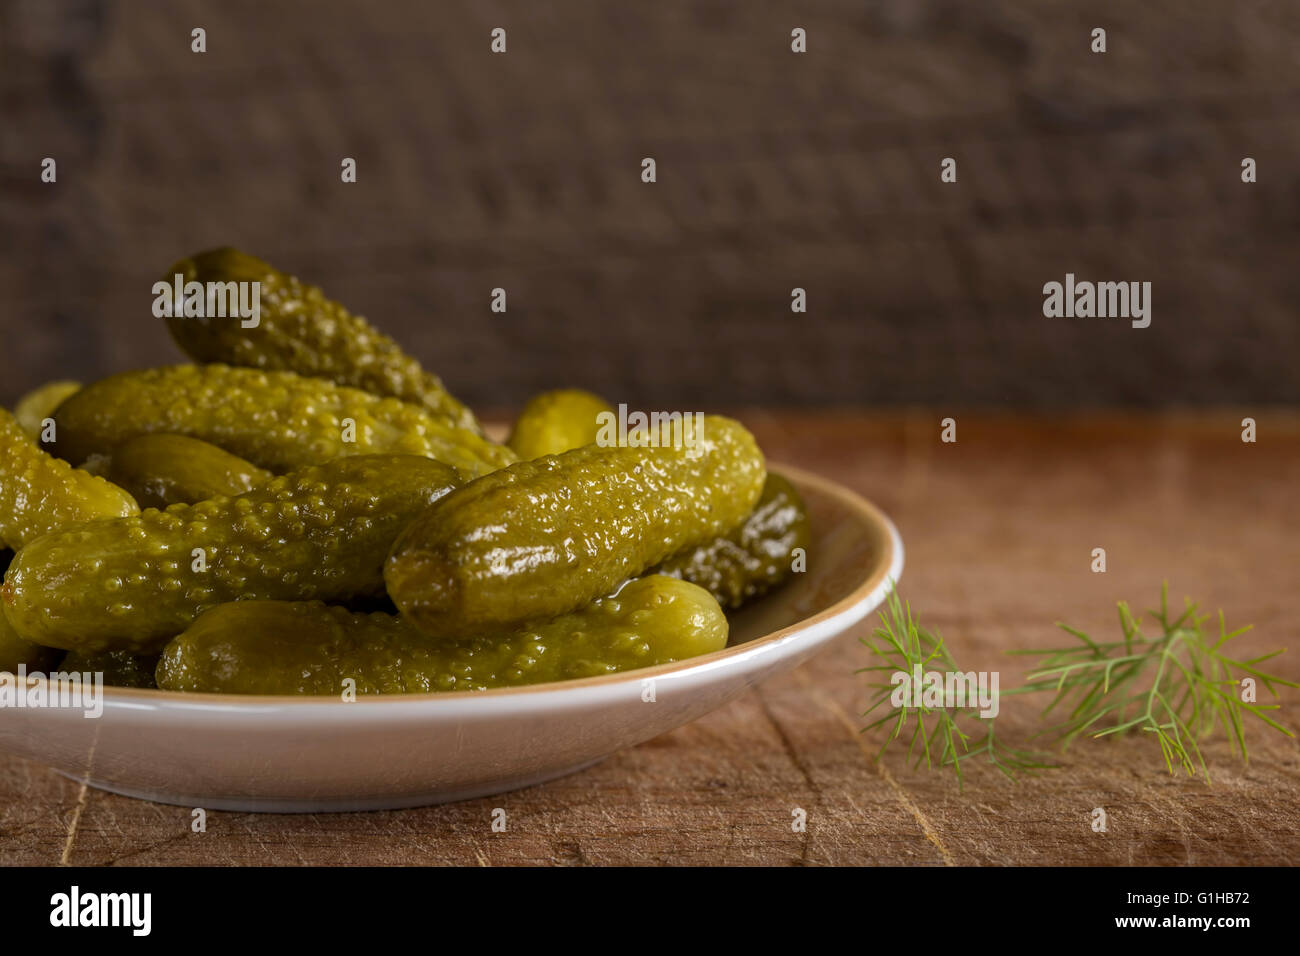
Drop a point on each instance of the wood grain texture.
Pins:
(776, 170)
(998, 528)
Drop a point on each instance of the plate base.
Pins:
(244, 804)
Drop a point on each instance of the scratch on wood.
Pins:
(900, 791)
(795, 759)
(175, 838)
(786, 743)
(1180, 817)
(83, 797)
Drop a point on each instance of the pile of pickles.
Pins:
(305, 510)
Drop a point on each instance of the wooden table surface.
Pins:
(999, 529)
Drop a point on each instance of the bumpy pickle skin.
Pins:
(301, 330)
(161, 470)
(279, 421)
(546, 537)
(735, 568)
(14, 651)
(267, 647)
(132, 584)
(119, 668)
(39, 404)
(754, 558)
(555, 422)
(40, 493)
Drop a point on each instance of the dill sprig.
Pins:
(938, 735)
(1178, 685)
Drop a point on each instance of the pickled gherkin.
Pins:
(276, 420)
(755, 557)
(734, 568)
(542, 538)
(120, 669)
(161, 470)
(40, 493)
(268, 647)
(555, 422)
(300, 330)
(132, 584)
(37, 405)
(16, 652)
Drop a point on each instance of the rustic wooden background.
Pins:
(775, 170)
(1176, 497)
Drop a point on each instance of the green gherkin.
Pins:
(300, 330)
(120, 669)
(39, 404)
(14, 651)
(132, 584)
(40, 493)
(558, 421)
(279, 421)
(736, 567)
(161, 470)
(542, 538)
(755, 557)
(269, 647)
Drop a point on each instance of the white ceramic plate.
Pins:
(294, 754)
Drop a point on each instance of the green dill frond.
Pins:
(1178, 685)
(938, 736)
